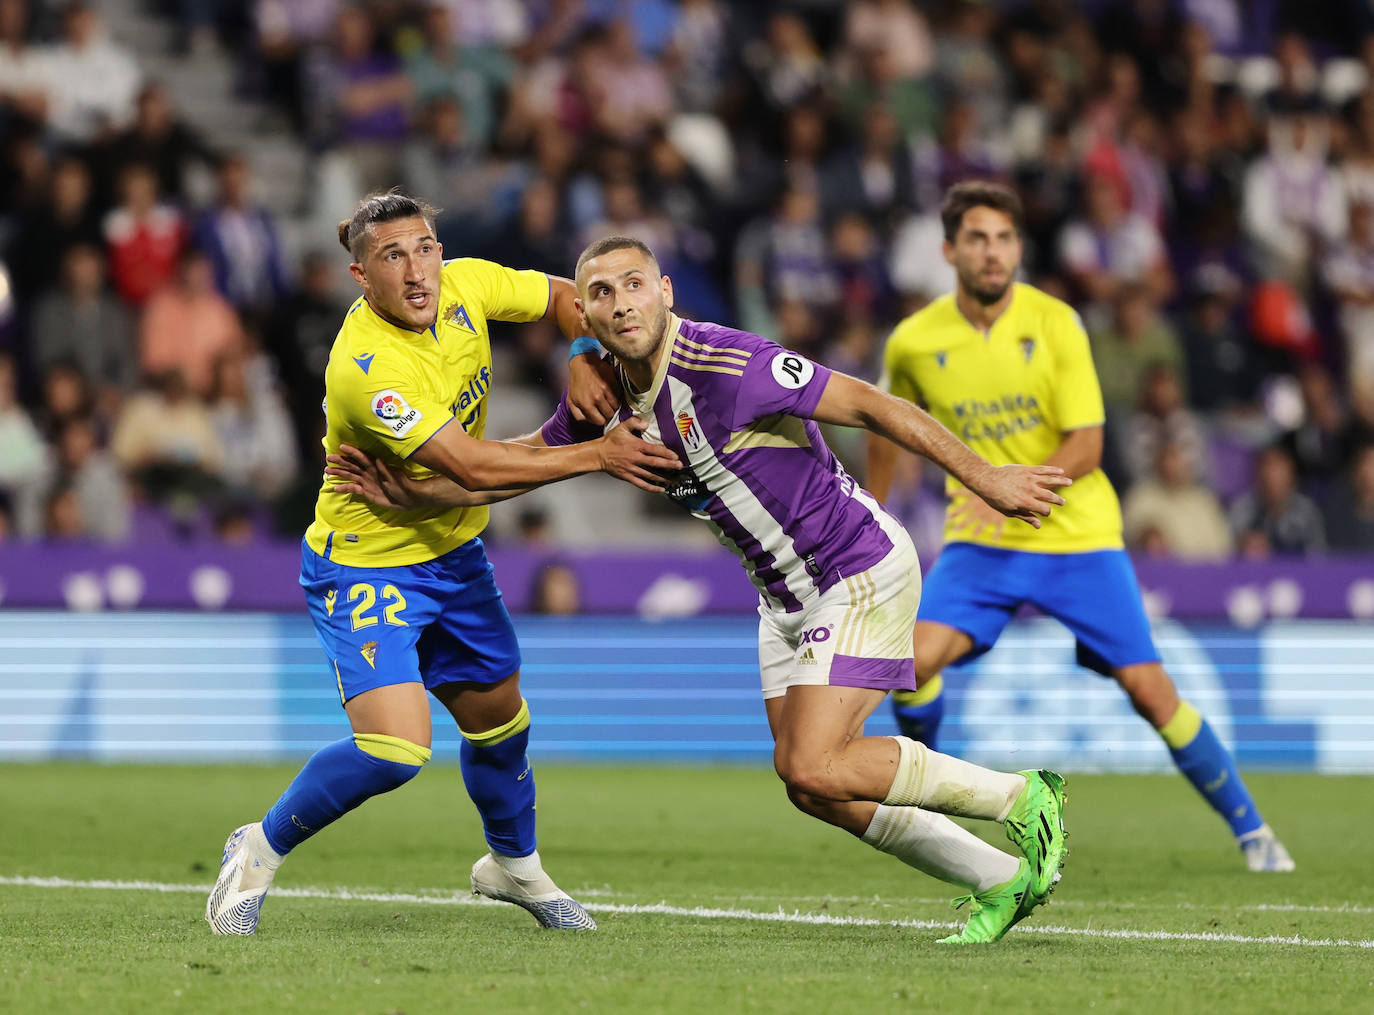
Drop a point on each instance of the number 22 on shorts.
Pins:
(364, 598)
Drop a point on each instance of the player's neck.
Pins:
(641, 372)
(982, 315)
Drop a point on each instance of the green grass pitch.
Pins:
(712, 895)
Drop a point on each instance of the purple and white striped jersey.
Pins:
(734, 408)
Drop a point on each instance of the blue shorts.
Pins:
(435, 623)
(976, 589)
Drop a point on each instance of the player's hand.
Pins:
(626, 455)
(1026, 492)
(370, 478)
(593, 389)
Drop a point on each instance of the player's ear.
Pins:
(667, 284)
(947, 249)
(581, 309)
(359, 273)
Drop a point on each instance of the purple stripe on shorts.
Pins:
(881, 674)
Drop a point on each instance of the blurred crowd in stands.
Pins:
(1198, 177)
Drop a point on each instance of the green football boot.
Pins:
(1035, 825)
(996, 910)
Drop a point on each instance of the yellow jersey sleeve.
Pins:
(387, 407)
(898, 376)
(1079, 394)
(504, 294)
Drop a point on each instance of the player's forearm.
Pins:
(881, 462)
(921, 433)
(442, 492)
(1079, 453)
(492, 466)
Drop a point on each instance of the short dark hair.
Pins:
(608, 243)
(380, 206)
(962, 197)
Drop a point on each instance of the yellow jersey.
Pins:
(388, 390)
(1010, 395)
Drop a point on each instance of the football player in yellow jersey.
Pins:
(1008, 369)
(404, 601)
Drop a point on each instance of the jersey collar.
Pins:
(643, 403)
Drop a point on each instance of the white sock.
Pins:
(934, 844)
(527, 868)
(937, 782)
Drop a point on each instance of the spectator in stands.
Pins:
(1274, 517)
(918, 271)
(23, 453)
(875, 176)
(803, 162)
(866, 292)
(1348, 272)
(784, 258)
(1110, 248)
(634, 96)
(537, 238)
(1171, 504)
(82, 323)
(94, 480)
(968, 65)
(166, 443)
(300, 335)
(1137, 339)
(286, 29)
(1293, 199)
(556, 590)
(62, 522)
(699, 55)
(66, 396)
(361, 98)
(92, 81)
(1323, 443)
(241, 240)
(473, 76)
(144, 237)
(1224, 369)
(1350, 518)
(783, 67)
(252, 422)
(24, 73)
(1163, 418)
(67, 217)
(188, 325)
(158, 139)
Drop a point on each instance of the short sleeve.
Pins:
(778, 380)
(505, 293)
(561, 429)
(897, 377)
(1077, 391)
(393, 408)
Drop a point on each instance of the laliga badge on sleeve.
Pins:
(395, 412)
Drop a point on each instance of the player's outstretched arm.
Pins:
(387, 486)
(496, 465)
(1018, 491)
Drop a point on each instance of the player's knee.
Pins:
(404, 758)
(806, 774)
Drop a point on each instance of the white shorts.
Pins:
(856, 634)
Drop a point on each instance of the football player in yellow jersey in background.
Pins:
(1008, 369)
(404, 601)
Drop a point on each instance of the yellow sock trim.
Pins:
(1181, 730)
(923, 695)
(491, 738)
(396, 749)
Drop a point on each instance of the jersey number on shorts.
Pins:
(365, 598)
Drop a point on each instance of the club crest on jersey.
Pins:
(456, 313)
(369, 652)
(691, 433)
(395, 412)
(940, 358)
(1028, 348)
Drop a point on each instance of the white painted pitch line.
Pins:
(704, 913)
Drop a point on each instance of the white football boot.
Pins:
(245, 874)
(548, 903)
(1264, 854)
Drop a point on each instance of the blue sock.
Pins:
(501, 783)
(918, 713)
(1208, 765)
(336, 779)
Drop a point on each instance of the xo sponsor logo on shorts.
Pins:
(816, 635)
